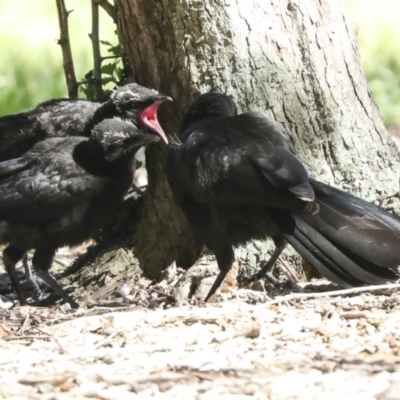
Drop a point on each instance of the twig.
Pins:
(139, 190)
(109, 57)
(126, 67)
(94, 36)
(42, 331)
(59, 262)
(26, 337)
(108, 288)
(65, 44)
(109, 338)
(108, 8)
(24, 325)
(361, 289)
(50, 336)
(288, 270)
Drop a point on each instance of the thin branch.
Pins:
(110, 338)
(94, 36)
(50, 336)
(288, 270)
(108, 8)
(64, 42)
(296, 296)
(109, 57)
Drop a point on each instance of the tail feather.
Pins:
(353, 208)
(350, 241)
(322, 262)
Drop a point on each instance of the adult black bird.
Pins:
(236, 178)
(64, 190)
(66, 117)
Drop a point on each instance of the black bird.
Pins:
(63, 191)
(66, 117)
(236, 178)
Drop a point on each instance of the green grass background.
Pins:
(31, 68)
(31, 64)
(379, 41)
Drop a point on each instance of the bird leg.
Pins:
(225, 262)
(266, 270)
(37, 293)
(217, 283)
(41, 263)
(11, 255)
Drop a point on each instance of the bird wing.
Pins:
(284, 170)
(18, 133)
(10, 167)
(43, 188)
(244, 159)
(54, 118)
(64, 117)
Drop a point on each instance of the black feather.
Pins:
(236, 178)
(63, 191)
(65, 117)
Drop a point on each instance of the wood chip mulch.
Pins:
(147, 342)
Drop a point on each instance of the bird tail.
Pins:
(350, 241)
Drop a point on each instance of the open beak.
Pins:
(148, 117)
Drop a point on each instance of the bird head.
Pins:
(140, 105)
(117, 138)
(209, 105)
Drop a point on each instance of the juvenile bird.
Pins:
(237, 178)
(64, 190)
(66, 117)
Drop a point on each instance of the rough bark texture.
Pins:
(297, 61)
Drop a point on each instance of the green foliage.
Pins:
(379, 38)
(31, 68)
(114, 71)
(33, 84)
(31, 63)
(385, 86)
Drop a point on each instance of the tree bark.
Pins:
(297, 61)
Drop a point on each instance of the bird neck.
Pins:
(90, 156)
(105, 111)
(109, 110)
(202, 114)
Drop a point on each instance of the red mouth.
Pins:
(148, 117)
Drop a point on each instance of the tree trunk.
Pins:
(297, 61)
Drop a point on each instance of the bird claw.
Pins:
(247, 279)
(38, 295)
(52, 298)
